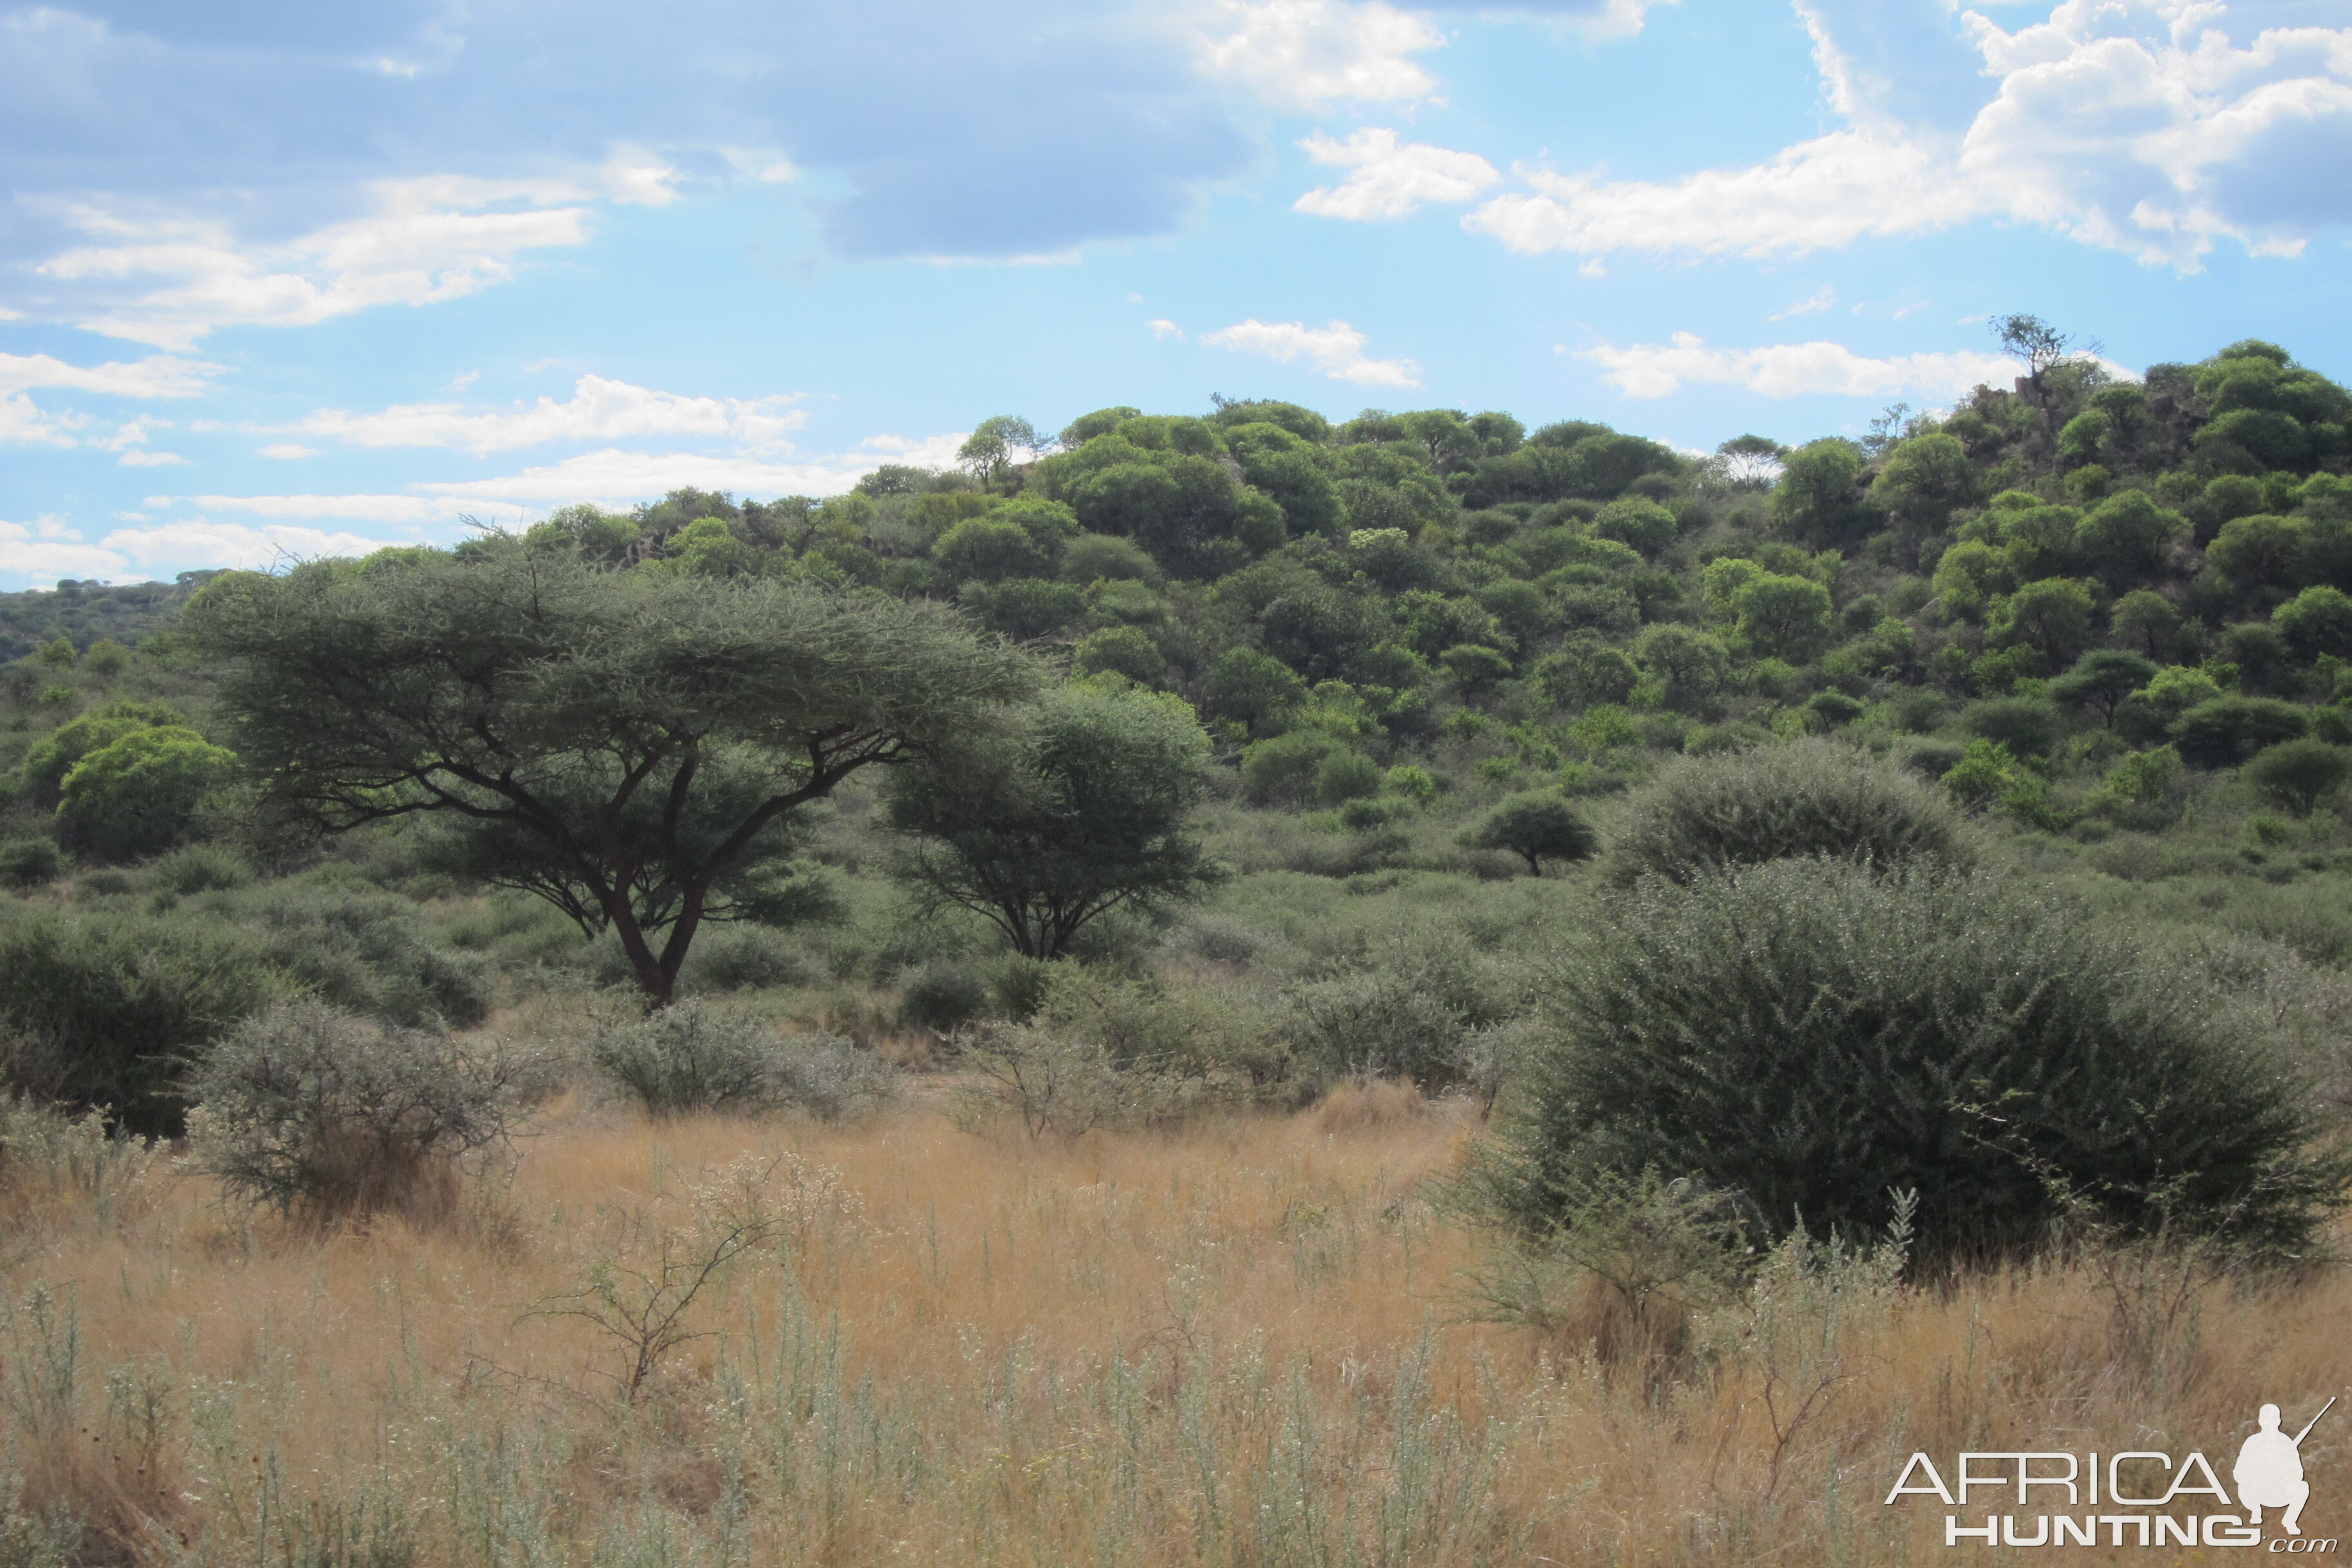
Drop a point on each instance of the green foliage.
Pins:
(1818, 1040)
(51, 757)
(30, 862)
(1801, 799)
(1344, 775)
(547, 699)
(105, 1007)
(1119, 650)
(1536, 826)
(1782, 617)
(140, 795)
(1818, 501)
(2025, 725)
(990, 549)
(1078, 812)
(2224, 731)
(318, 1113)
(2299, 774)
(1281, 770)
(200, 868)
(368, 953)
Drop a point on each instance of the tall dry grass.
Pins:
(1238, 1344)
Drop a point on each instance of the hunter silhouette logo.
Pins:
(2139, 1497)
(2269, 1471)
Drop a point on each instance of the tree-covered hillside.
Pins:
(2078, 570)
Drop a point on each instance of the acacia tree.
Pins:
(643, 736)
(1078, 812)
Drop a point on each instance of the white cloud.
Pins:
(615, 475)
(169, 280)
(140, 457)
(598, 410)
(1819, 299)
(2137, 125)
(2141, 127)
(20, 551)
(349, 508)
(157, 375)
(285, 452)
(1390, 180)
(1817, 194)
(1299, 54)
(1162, 329)
(199, 542)
(1793, 370)
(1337, 350)
(22, 422)
(639, 180)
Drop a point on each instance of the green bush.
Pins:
(942, 997)
(1806, 797)
(1820, 1039)
(315, 1113)
(368, 953)
(30, 862)
(2298, 774)
(2227, 731)
(1409, 1006)
(692, 1056)
(734, 957)
(55, 755)
(139, 796)
(2026, 725)
(200, 868)
(107, 1006)
(1343, 776)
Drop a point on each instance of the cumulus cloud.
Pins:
(2154, 127)
(1793, 370)
(1162, 329)
(1337, 350)
(1389, 179)
(1300, 54)
(598, 410)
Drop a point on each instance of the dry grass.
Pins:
(1238, 1344)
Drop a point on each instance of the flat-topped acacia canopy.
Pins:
(638, 730)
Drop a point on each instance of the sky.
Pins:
(280, 279)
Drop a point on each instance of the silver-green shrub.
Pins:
(1805, 797)
(693, 1055)
(317, 1112)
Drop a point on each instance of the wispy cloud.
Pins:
(1819, 299)
(598, 410)
(157, 375)
(1302, 54)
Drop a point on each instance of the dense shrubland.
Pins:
(1740, 885)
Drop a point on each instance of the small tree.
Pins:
(1078, 812)
(1538, 827)
(2299, 774)
(631, 738)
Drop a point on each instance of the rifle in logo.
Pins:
(2269, 1471)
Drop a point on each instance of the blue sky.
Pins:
(279, 279)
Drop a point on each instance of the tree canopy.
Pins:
(600, 715)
